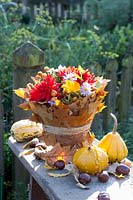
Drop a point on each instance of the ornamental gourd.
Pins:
(113, 144)
(90, 160)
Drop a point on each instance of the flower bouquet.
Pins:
(65, 100)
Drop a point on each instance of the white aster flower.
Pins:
(86, 89)
(70, 77)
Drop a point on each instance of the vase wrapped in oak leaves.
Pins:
(65, 100)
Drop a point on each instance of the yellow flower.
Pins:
(57, 102)
(71, 86)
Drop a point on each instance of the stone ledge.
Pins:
(65, 188)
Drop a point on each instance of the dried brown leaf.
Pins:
(46, 166)
(35, 118)
(59, 174)
(117, 175)
(24, 106)
(26, 152)
(82, 186)
(56, 153)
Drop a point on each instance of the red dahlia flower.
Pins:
(87, 77)
(42, 91)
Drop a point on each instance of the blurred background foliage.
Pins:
(108, 33)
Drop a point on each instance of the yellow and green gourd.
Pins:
(113, 144)
(90, 160)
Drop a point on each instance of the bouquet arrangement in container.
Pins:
(65, 100)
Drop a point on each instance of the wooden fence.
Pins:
(59, 9)
(119, 98)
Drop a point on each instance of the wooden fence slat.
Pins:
(47, 7)
(56, 9)
(62, 11)
(27, 59)
(59, 10)
(35, 10)
(50, 8)
(85, 13)
(41, 8)
(111, 69)
(125, 88)
(53, 10)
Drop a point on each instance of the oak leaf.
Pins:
(24, 106)
(20, 92)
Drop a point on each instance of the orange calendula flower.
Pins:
(71, 86)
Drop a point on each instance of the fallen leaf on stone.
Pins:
(59, 175)
(82, 186)
(46, 166)
(34, 141)
(26, 152)
(58, 152)
(75, 173)
(116, 175)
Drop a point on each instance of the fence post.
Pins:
(1, 146)
(97, 122)
(27, 59)
(125, 88)
(111, 69)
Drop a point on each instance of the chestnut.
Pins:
(103, 177)
(84, 178)
(122, 169)
(59, 164)
(103, 196)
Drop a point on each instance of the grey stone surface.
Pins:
(65, 188)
